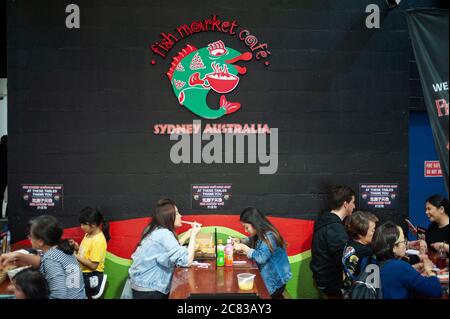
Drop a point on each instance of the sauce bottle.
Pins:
(220, 254)
(229, 253)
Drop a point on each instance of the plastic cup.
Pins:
(245, 281)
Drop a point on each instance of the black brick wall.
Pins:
(82, 103)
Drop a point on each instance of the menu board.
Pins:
(378, 196)
(41, 198)
(211, 196)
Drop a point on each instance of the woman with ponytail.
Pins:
(91, 252)
(58, 264)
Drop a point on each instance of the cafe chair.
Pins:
(102, 290)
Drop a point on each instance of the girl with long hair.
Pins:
(267, 248)
(159, 251)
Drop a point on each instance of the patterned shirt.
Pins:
(354, 254)
(63, 275)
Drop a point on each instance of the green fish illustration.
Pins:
(194, 72)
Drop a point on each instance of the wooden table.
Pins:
(221, 281)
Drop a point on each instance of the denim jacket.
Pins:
(154, 261)
(274, 266)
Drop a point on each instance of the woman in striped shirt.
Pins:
(58, 264)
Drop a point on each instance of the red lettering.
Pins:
(243, 34)
(156, 51)
(208, 22)
(225, 26)
(184, 28)
(262, 54)
(169, 37)
(216, 23)
(260, 46)
(442, 104)
(233, 25)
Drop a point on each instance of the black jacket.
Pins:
(328, 243)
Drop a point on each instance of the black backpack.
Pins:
(368, 283)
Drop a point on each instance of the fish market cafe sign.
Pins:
(195, 71)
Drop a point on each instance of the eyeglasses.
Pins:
(403, 241)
